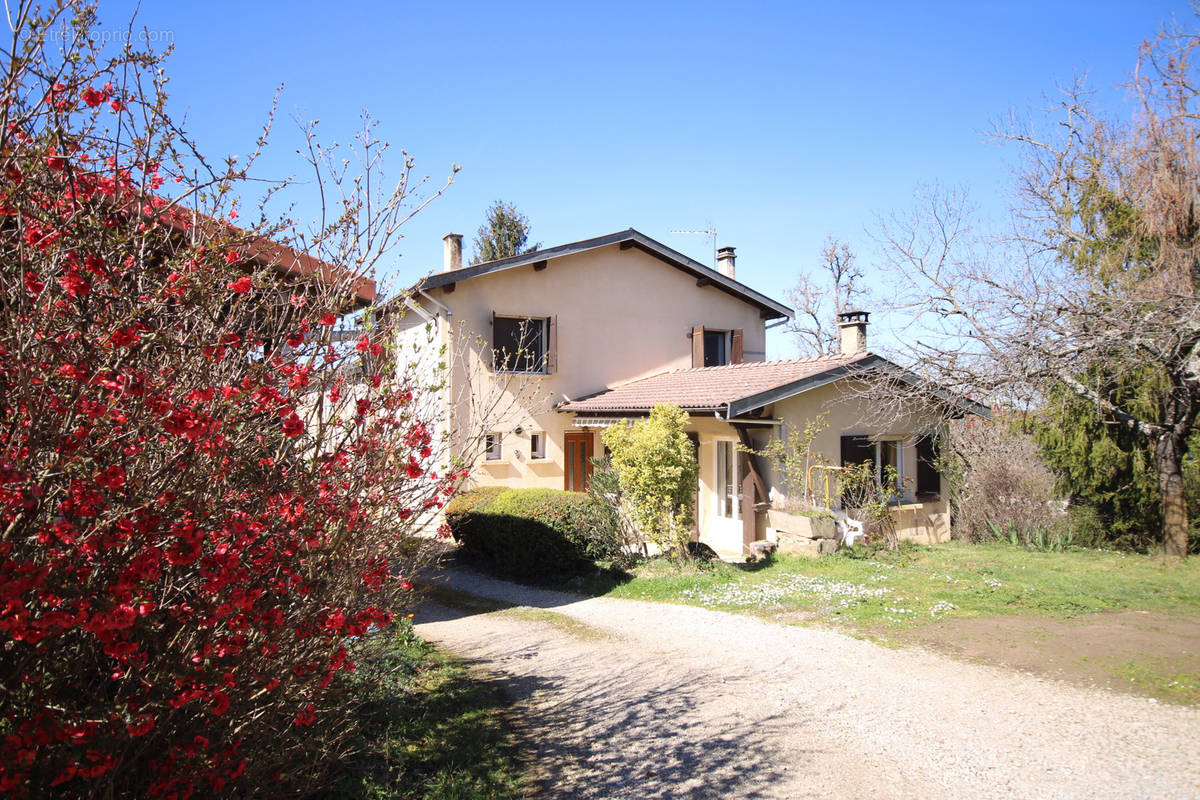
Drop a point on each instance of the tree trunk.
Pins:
(1168, 453)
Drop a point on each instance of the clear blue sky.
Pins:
(779, 123)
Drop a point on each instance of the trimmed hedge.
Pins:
(532, 533)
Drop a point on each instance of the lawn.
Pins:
(431, 729)
(878, 590)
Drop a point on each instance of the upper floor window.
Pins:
(716, 353)
(523, 344)
(716, 348)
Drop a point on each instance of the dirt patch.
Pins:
(1139, 652)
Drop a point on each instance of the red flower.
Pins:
(94, 97)
(232, 257)
(306, 716)
(112, 478)
(241, 285)
(74, 284)
(328, 320)
(292, 426)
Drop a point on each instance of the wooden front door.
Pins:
(579, 448)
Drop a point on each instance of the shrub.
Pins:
(656, 465)
(998, 482)
(533, 533)
(474, 500)
(199, 512)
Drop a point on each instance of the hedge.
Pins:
(532, 533)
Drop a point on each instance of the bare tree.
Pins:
(1096, 282)
(834, 287)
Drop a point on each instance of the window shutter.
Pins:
(495, 355)
(698, 346)
(735, 356)
(856, 450)
(552, 344)
(929, 480)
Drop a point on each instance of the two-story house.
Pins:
(599, 331)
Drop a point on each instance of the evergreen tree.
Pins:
(503, 234)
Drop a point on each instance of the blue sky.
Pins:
(778, 123)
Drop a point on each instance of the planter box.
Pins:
(801, 526)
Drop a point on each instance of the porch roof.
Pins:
(733, 389)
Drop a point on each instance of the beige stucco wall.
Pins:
(622, 315)
(850, 412)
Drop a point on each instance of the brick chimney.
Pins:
(852, 332)
(452, 243)
(725, 261)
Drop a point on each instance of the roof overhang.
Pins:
(863, 368)
(627, 239)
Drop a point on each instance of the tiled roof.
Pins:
(711, 388)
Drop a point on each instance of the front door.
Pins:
(728, 518)
(579, 451)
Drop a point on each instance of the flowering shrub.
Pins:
(205, 497)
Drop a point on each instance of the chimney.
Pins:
(852, 332)
(453, 251)
(725, 261)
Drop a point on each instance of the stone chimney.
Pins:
(725, 261)
(453, 251)
(852, 332)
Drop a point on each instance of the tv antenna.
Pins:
(711, 233)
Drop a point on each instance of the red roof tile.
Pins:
(708, 388)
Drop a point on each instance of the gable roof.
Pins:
(737, 389)
(630, 238)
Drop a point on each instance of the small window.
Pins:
(537, 445)
(716, 352)
(493, 450)
(519, 344)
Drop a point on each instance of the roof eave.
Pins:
(771, 309)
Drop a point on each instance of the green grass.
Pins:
(430, 730)
(1156, 677)
(878, 589)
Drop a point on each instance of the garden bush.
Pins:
(532, 534)
(205, 497)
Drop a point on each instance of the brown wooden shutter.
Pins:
(698, 346)
(552, 344)
(735, 356)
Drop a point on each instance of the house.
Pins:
(603, 329)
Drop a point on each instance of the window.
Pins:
(727, 481)
(537, 445)
(881, 453)
(492, 448)
(716, 348)
(715, 352)
(520, 344)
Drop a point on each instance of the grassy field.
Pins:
(431, 731)
(916, 585)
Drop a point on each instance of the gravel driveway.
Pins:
(624, 699)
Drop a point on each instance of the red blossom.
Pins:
(241, 285)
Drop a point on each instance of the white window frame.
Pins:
(493, 446)
(719, 497)
(537, 446)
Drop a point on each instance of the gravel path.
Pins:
(624, 699)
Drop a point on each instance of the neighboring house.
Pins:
(605, 328)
